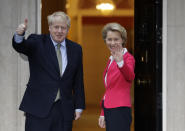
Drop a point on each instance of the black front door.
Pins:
(148, 55)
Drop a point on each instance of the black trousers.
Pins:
(53, 122)
(118, 119)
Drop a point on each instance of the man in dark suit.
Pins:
(55, 91)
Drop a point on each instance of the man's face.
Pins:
(58, 30)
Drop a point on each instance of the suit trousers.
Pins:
(53, 122)
(118, 119)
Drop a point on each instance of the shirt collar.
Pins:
(124, 51)
(63, 43)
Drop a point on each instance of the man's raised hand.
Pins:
(22, 27)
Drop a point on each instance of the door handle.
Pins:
(143, 82)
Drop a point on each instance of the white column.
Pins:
(14, 71)
(164, 66)
(174, 68)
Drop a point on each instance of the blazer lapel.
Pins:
(69, 56)
(105, 72)
(110, 71)
(51, 55)
(106, 68)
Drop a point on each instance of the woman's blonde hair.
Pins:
(61, 15)
(115, 27)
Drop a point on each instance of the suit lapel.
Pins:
(106, 69)
(110, 71)
(51, 55)
(105, 72)
(52, 58)
(69, 56)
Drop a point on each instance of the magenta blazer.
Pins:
(119, 82)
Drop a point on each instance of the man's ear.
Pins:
(49, 28)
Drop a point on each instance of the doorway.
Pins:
(143, 20)
(148, 55)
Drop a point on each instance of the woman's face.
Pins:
(114, 40)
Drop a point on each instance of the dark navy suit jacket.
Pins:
(45, 79)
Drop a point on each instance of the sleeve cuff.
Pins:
(120, 64)
(78, 110)
(18, 38)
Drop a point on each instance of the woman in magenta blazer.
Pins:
(118, 77)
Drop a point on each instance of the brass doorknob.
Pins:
(143, 82)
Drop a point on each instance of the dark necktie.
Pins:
(59, 57)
